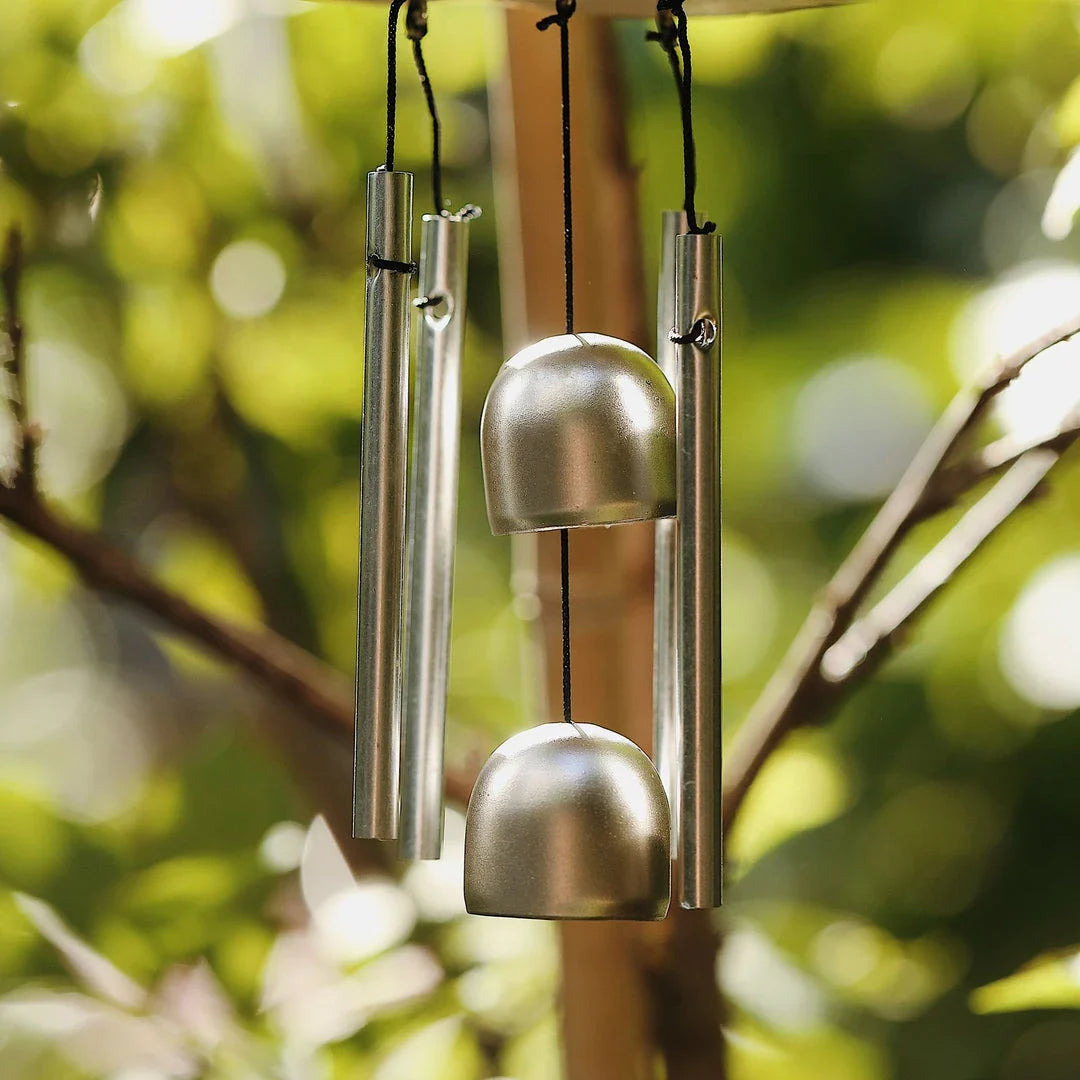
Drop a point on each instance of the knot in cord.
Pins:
(378, 263)
(666, 35)
(702, 334)
(564, 9)
(416, 24)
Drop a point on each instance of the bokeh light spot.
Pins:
(282, 847)
(1027, 302)
(81, 409)
(750, 609)
(857, 424)
(924, 75)
(247, 279)
(169, 28)
(1040, 646)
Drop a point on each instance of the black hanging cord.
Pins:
(416, 27)
(564, 539)
(564, 9)
(391, 81)
(670, 33)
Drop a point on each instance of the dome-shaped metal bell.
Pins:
(568, 821)
(578, 429)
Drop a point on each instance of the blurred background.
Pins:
(896, 183)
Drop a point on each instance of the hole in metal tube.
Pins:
(707, 332)
(437, 309)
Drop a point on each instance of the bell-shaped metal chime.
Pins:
(568, 821)
(578, 429)
(571, 821)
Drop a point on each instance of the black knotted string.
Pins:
(379, 263)
(564, 9)
(416, 27)
(671, 35)
(702, 333)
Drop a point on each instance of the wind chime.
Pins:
(568, 820)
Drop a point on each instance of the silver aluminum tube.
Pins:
(433, 494)
(697, 305)
(382, 507)
(666, 750)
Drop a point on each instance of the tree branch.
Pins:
(299, 678)
(799, 692)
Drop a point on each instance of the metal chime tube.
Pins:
(433, 493)
(666, 751)
(382, 506)
(697, 310)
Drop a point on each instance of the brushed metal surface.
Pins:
(382, 508)
(666, 734)
(568, 821)
(697, 296)
(432, 525)
(578, 429)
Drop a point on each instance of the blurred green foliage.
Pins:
(189, 181)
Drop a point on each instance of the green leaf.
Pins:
(1050, 981)
(803, 785)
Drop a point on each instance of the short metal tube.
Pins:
(432, 524)
(698, 312)
(382, 506)
(666, 750)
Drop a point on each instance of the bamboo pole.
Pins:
(627, 988)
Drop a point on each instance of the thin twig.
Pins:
(11, 285)
(869, 638)
(992, 460)
(799, 693)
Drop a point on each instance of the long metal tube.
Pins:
(382, 506)
(698, 312)
(433, 494)
(666, 751)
